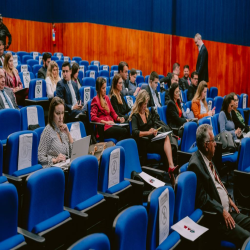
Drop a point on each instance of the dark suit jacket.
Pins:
(1, 61)
(10, 94)
(167, 80)
(207, 196)
(63, 91)
(184, 83)
(191, 92)
(151, 102)
(173, 119)
(202, 64)
(42, 73)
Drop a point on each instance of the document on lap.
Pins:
(161, 136)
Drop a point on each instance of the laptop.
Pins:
(80, 148)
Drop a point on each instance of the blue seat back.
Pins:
(215, 122)
(39, 132)
(12, 151)
(210, 101)
(185, 95)
(24, 117)
(1, 158)
(189, 104)
(104, 67)
(128, 224)
(25, 58)
(54, 58)
(104, 167)
(92, 74)
(18, 67)
(89, 109)
(244, 159)
(162, 113)
(205, 120)
(139, 72)
(161, 76)
(108, 90)
(113, 73)
(85, 63)
(107, 80)
(32, 62)
(82, 180)
(21, 54)
(94, 67)
(36, 68)
(213, 92)
(147, 78)
(95, 63)
(185, 191)
(59, 63)
(58, 54)
(77, 59)
(139, 79)
(183, 168)
(241, 101)
(218, 100)
(189, 136)
(82, 128)
(44, 196)
(65, 59)
(132, 161)
(114, 67)
(88, 81)
(10, 122)
(40, 59)
(92, 93)
(21, 77)
(162, 95)
(103, 73)
(32, 88)
(47, 52)
(98, 241)
(153, 215)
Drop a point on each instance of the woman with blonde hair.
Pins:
(143, 126)
(103, 112)
(117, 99)
(52, 79)
(199, 103)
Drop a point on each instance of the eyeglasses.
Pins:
(196, 79)
(213, 141)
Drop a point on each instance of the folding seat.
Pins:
(113, 72)
(30, 116)
(39, 59)
(130, 229)
(184, 97)
(162, 111)
(85, 63)
(139, 72)
(96, 63)
(10, 123)
(91, 74)
(25, 58)
(21, 54)
(104, 67)
(213, 92)
(58, 54)
(183, 168)
(218, 100)
(88, 81)
(156, 216)
(103, 73)
(23, 67)
(77, 59)
(54, 58)
(139, 79)
(43, 212)
(82, 195)
(22, 154)
(114, 67)
(35, 54)
(59, 63)
(189, 137)
(32, 62)
(93, 67)
(205, 120)
(26, 77)
(87, 93)
(97, 241)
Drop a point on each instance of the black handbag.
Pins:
(228, 144)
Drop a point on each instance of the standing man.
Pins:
(185, 81)
(46, 61)
(3, 33)
(193, 86)
(202, 61)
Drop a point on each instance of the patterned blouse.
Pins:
(51, 146)
(13, 82)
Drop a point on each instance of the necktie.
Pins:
(7, 99)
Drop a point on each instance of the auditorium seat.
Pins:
(58, 54)
(103, 73)
(96, 63)
(104, 67)
(85, 63)
(54, 58)
(108, 90)
(82, 131)
(47, 52)
(88, 81)
(213, 92)
(130, 229)
(162, 111)
(154, 216)
(77, 59)
(3, 179)
(130, 100)
(189, 137)
(34, 54)
(139, 79)
(147, 78)
(114, 67)
(210, 103)
(162, 98)
(243, 101)
(87, 93)
(218, 100)
(21, 54)
(29, 76)
(39, 59)
(94, 67)
(36, 68)
(32, 62)
(25, 58)
(91, 74)
(189, 104)
(12, 53)
(161, 76)
(59, 63)
(23, 67)
(39, 132)
(183, 168)
(113, 72)
(139, 72)
(246, 245)
(107, 80)
(244, 159)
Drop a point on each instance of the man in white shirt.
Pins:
(7, 98)
(211, 195)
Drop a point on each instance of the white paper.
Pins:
(162, 85)
(130, 101)
(66, 59)
(138, 72)
(25, 151)
(209, 105)
(26, 79)
(119, 124)
(32, 116)
(151, 180)
(105, 67)
(61, 74)
(189, 229)
(72, 62)
(181, 95)
(61, 164)
(114, 168)
(161, 136)
(59, 55)
(244, 101)
(86, 95)
(115, 72)
(92, 74)
(81, 67)
(163, 215)
(210, 119)
(40, 59)
(96, 63)
(245, 135)
(39, 89)
(24, 68)
(15, 60)
(35, 54)
(75, 131)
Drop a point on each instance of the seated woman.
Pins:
(143, 126)
(133, 90)
(238, 120)
(117, 99)
(103, 112)
(74, 74)
(225, 118)
(199, 103)
(175, 117)
(56, 141)
(52, 79)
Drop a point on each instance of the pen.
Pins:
(158, 129)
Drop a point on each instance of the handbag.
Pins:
(228, 144)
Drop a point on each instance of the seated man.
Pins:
(211, 195)
(185, 81)
(67, 89)
(174, 79)
(42, 72)
(176, 71)
(7, 98)
(193, 86)
(123, 71)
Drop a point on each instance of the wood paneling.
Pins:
(29, 35)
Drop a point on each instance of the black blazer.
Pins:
(202, 64)
(167, 80)
(191, 92)
(207, 196)
(183, 83)
(173, 119)
(151, 102)
(120, 109)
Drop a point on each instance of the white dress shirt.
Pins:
(157, 104)
(73, 94)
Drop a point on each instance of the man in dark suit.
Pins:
(46, 61)
(185, 81)
(67, 89)
(176, 71)
(2, 55)
(193, 86)
(202, 61)
(154, 100)
(7, 98)
(123, 71)
(211, 195)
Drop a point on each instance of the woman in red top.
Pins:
(103, 112)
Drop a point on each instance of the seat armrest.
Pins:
(13, 178)
(134, 182)
(209, 213)
(74, 212)
(109, 196)
(97, 123)
(153, 170)
(31, 236)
